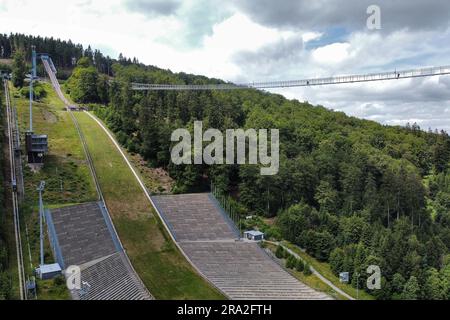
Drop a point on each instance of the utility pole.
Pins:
(357, 285)
(41, 217)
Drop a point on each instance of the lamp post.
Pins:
(41, 217)
(357, 285)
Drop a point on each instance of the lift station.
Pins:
(36, 144)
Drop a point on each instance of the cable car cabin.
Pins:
(37, 147)
(14, 185)
(73, 108)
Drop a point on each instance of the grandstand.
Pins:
(83, 235)
(110, 278)
(195, 217)
(240, 269)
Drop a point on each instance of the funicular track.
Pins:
(15, 167)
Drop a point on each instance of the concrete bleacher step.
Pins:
(85, 238)
(194, 217)
(82, 233)
(111, 279)
(243, 271)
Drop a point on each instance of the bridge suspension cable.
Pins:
(413, 73)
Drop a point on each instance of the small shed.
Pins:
(254, 235)
(49, 271)
(344, 277)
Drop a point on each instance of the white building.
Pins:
(254, 235)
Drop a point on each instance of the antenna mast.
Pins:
(32, 77)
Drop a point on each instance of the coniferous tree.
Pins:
(299, 266)
(280, 253)
(19, 69)
(411, 289)
(307, 270)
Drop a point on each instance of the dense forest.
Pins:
(64, 54)
(351, 192)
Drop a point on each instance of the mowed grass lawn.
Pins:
(157, 260)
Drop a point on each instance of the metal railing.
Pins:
(228, 206)
(394, 75)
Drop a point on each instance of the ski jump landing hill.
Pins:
(83, 235)
(202, 230)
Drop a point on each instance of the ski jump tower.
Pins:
(36, 144)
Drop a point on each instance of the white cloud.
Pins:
(309, 36)
(239, 33)
(228, 44)
(332, 53)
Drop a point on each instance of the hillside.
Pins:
(350, 192)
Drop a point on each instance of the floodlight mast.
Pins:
(32, 77)
(41, 217)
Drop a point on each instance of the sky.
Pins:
(264, 40)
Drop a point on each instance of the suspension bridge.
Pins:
(394, 75)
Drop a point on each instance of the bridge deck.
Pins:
(392, 75)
